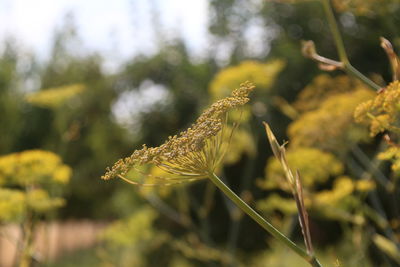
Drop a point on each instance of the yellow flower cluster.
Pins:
(392, 154)
(331, 125)
(195, 152)
(40, 201)
(54, 97)
(276, 202)
(261, 74)
(33, 167)
(315, 167)
(381, 113)
(14, 203)
(30, 170)
(343, 187)
(323, 87)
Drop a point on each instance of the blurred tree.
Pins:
(81, 129)
(10, 97)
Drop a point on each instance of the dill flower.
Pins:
(331, 126)
(392, 154)
(33, 167)
(15, 203)
(54, 97)
(381, 113)
(276, 202)
(12, 204)
(323, 87)
(315, 166)
(191, 155)
(262, 74)
(33, 172)
(40, 201)
(343, 186)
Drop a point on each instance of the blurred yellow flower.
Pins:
(315, 166)
(323, 87)
(54, 97)
(392, 154)
(33, 167)
(39, 201)
(12, 204)
(62, 174)
(342, 187)
(388, 246)
(276, 202)
(15, 203)
(331, 125)
(365, 185)
(261, 74)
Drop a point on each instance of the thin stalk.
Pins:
(335, 31)
(341, 49)
(27, 233)
(372, 196)
(236, 220)
(371, 166)
(353, 71)
(261, 221)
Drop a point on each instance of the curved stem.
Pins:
(341, 49)
(261, 221)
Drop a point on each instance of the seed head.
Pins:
(192, 154)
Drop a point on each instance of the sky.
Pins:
(117, 29)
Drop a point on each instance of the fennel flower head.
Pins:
(192, 155)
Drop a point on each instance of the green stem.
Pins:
(353, 71)
(27, 232)
(335, 31)
(261, 221)
(341, 49)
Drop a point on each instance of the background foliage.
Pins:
(352, 197)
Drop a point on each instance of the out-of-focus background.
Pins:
(84, 83)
